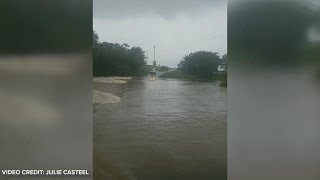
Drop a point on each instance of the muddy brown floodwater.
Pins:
(161, 130)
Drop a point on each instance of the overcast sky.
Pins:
(176, 27)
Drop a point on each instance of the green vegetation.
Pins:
(112, 59)
(201, 65)
(164, 69)
(147, 68)
(177, 75)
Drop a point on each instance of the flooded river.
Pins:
(161, 130)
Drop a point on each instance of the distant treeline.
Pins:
(112, 59)
(203, 64)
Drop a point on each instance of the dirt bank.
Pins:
(100, 97)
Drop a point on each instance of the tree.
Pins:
(223, 62)
(113, 59)
(200, 63)
(164, 68)
(95, 39)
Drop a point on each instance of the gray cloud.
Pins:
(176, 29)
(105, 9)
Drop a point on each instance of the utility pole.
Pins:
(147, 56)
(154, 55)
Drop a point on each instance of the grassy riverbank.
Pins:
(181, 75)
(177, 75)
